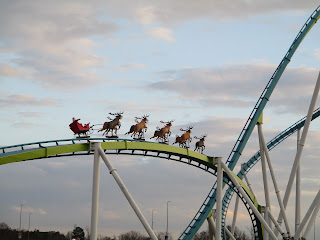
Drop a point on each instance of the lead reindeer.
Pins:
(140, 128)
(113, 125)
(185, 138)
(162, 134)
(200, 144)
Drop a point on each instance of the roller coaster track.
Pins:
(76, 147)
(256, 157)
(242, 140)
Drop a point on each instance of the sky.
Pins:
(200, 63)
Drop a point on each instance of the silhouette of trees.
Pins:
(3, 225)
(161, 236)
(132, 235)
(12, 234)
(239, 234)
(78, 233)
(201, 236)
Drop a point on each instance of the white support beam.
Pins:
(230, 234)
(300, 147)
(265, 179)
(274, 181)
(235, 212)
(314, 203)
(276, 224)
(247, 181)
(248, 200)
(219, 197)
(95, 191)
(212, 228)
(311, 221)
(125, 191)
(298, 190)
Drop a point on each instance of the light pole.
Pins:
(152, 219)
(167, 237)
(29, 225)
(20, 232)
(314, 228)
(20, 217)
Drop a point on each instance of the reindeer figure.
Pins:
(185, 138)
(140, 128)
(162, 134)
(113, 125)
(200, 144)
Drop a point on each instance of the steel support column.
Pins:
(248, 200)
(125, 191)
(219, 198)
(300, 147)
(298, 190)
(95, 191)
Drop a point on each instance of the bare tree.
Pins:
(87, 232)
(238, 234)
(204, 235)
(132, 235)
(69, 235)
(161, 236)
(3, 225)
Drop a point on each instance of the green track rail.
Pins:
(76, 147)
(29, 152)
(84, 148)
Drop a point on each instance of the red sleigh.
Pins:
(81, 129)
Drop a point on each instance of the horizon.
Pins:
(201, 64)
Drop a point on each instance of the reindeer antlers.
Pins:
(186, 130)
(144, 116)
(202, 136)
(167, 122)
(116, 114)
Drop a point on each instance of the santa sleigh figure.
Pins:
(81, 129)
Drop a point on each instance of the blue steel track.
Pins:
(242, 140)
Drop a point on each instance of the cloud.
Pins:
(161, 33)
(131, 66)
(29, 210)
(53, 49)
(8, 71)
(234, 85)
(30, 114)
(317, 53)
(56, 164)
(15, 100)
(176, 12)
(52, 44)
(242, 216)
(219, 83)
(110, 215)
(146, 15)
(23, 124)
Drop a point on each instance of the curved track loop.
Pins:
(242, 140)
(76, 147)
(26, 152)
(256, 157)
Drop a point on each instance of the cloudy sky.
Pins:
(200, 63)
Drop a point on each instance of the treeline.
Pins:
(6, 233)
